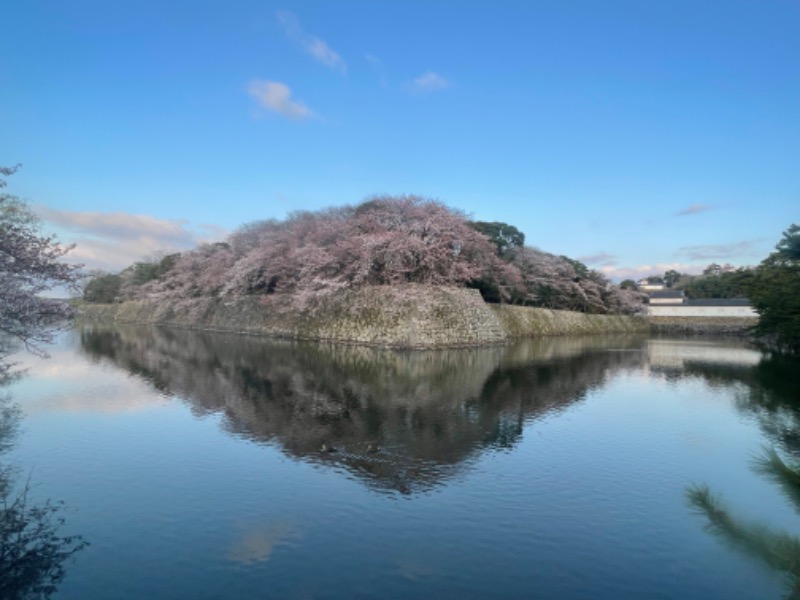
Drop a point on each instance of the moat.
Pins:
(200, 465)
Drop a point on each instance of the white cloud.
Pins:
(637, 272)
(112, 241)
(429, 82)
(117, 225)
(313, 45)
(277, 97)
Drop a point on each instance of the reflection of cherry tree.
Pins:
(33, 553)
(426, 412)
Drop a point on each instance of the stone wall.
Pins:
(688, 310)
(729, 326)
(410, 316)
(522, 321)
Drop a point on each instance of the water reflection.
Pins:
(256, 543)
(33, 551)
(765, 387)
(399, 420)
(777, 548)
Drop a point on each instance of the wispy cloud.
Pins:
(313, 45)
(601, 259)
(637, 272)
(693, 209)
(429, 82)
(277, 97)
(721, 251)
(112, 241)
(380, 69)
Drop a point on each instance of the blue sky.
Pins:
(636, 136)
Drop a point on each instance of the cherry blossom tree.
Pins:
(383, 241)
(558, 282)
(30, 264)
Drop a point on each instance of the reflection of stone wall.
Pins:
(671, 353)
(411, 316)
(427, 411)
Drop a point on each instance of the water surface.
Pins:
(195, 465)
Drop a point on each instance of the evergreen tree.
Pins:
(775, 292)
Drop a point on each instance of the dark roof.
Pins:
(718, 302)
(667, 294)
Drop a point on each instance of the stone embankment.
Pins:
(404, 317)
(722, 326)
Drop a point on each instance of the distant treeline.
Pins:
(717, 281)
(773, 287)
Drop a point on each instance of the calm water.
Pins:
(193, 465)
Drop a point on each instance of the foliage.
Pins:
(551, 281)
(30, 264)
(716, 269)
(382, 241)
(788, 248)
(671, 277)
(505, 237)
(103, 288)
(730, 284)
(33, 553)
(149, 270)
(775, 292)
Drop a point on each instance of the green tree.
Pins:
(153, 268)
(505, 237)
(628, 284)
(731, 284)
(581, 270)
(788, 249)
(775, 292)
(104, 288)
(671, 277)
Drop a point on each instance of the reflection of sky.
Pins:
(587, 502)
(68, 382)
(256, 543)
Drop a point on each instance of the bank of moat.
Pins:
(412, 316)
